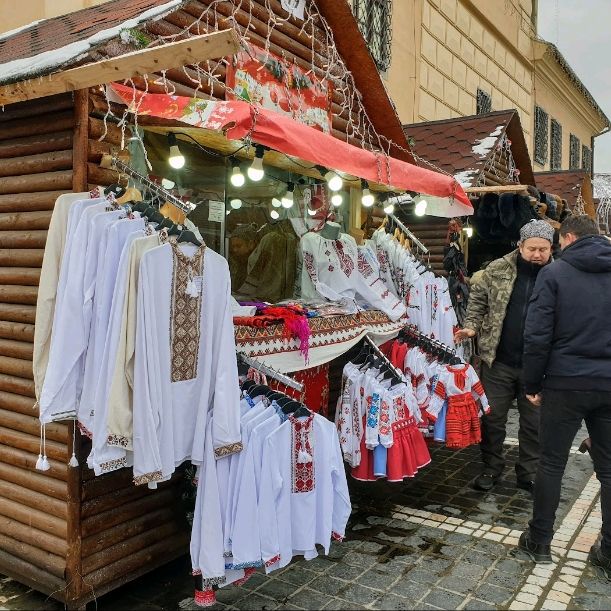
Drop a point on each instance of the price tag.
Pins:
(198, 281)
(216, 211)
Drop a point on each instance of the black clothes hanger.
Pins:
(249, 383)
(115, 189)
(302, 412)
(188, 236)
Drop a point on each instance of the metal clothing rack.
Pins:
(151, 186)
(398, 372)
(272, 373)
(414, 330)
(409, 234)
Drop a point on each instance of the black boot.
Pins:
(598, 559)
(485, 481)
(537, 552)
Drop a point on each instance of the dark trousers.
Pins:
(503, 385)
(562, 413)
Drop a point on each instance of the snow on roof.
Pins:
(485, 145)
(30, 66)
(465, 178)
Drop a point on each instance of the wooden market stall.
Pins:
(63, 531)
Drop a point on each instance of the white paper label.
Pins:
(216, 211)
(296, 8)
(198, 281)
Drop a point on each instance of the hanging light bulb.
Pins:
(420, 208)
(389, 208)
(167, 184)
(469, 231)
(275, 214)
(236, 203)
(336, 200)
(367, 199)
(311, 212)
(237, 178)
(276, 203)
(176, 158)
(255, 171)
(287, 198)
(334, 180)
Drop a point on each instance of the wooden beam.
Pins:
(498, 189)
(173, 55)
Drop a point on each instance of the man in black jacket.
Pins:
(567, 371)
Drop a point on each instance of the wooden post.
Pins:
(80, 140)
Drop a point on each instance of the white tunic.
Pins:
(334, 270)
(185, 363)
(61, 387)
(301, 504)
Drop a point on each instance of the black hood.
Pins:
(590, 254)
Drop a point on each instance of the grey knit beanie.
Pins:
(537, 229)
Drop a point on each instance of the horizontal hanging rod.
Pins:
(409, 234)
(397, 371)
(272, 373)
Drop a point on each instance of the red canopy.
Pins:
(240, 119)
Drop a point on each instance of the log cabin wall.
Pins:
(35, 168)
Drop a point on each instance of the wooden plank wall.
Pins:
(35, 168)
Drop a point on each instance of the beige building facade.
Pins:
(452, 58)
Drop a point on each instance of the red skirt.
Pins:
(462, 422)
(408, 452)
(364, 471)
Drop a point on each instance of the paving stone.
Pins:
(476, 605)
(498, 578)
(443, 599)
(466, 569)
(412, 590)
(298, 575)
(319, 565)
(328, 585)
(307, 598)
(255, 602)
(276, 589)
(360, 594)
(391, 601)
(593, 602)
(377, 580)
(510, 566)
(461, 585)
(339, 605)
(345, 571)
(494, 594)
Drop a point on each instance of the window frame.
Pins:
(555, 145)
(574, 152)
(541, 146)
(586, 152)
(379, 41)
(480, 97)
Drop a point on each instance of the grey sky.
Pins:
(581, 31)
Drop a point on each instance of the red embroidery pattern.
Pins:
(308, 259)
(272, 561)
(303, 476)
(385, 294)
(384, 420)
(345, 261)
(337, 537)
(364, 266)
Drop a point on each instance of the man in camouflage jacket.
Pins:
(496, 314)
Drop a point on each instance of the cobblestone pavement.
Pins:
(430, 543)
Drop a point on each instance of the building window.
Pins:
(484, 102)
(374, 18)
(556, 146)
(574, 152)
(541, 135)
(586, 159)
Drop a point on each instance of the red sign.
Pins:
(267, 80)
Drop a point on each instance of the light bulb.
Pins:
(337, 200)
(287, 198)
(389, 208)
(311, 212)
(276, 203)
(469, 231)
(255, 171)
(420, 208)
(237, 178)
(275, 214)
(334, 181)
(367, 199)
(167, 184)
(236, 203)
(176, 158)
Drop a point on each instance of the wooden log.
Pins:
(21, 276)
(36, 164)
(34, 108)
(101, 176)
(17, 313)
(10, 293)
(29, 424)
(16, 349)
(21, 368)
(81, 137)
(34, 480)
(30, 498)
(30, 442)
(38, 517)
(13, 221)
(32, 536)
(121, 532)
(47, 181)
(46, 123)
(124, 549)
(33, 145)
(16, 331)
(16, 385)
(30, 553)
(112, 500)
(31, 575)
(112, 133)
(18, 403)
(25, 257)
(148, 556)
(140, 506)
(23, 239)
(27, 460)
(96, 150)
(29, 202)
